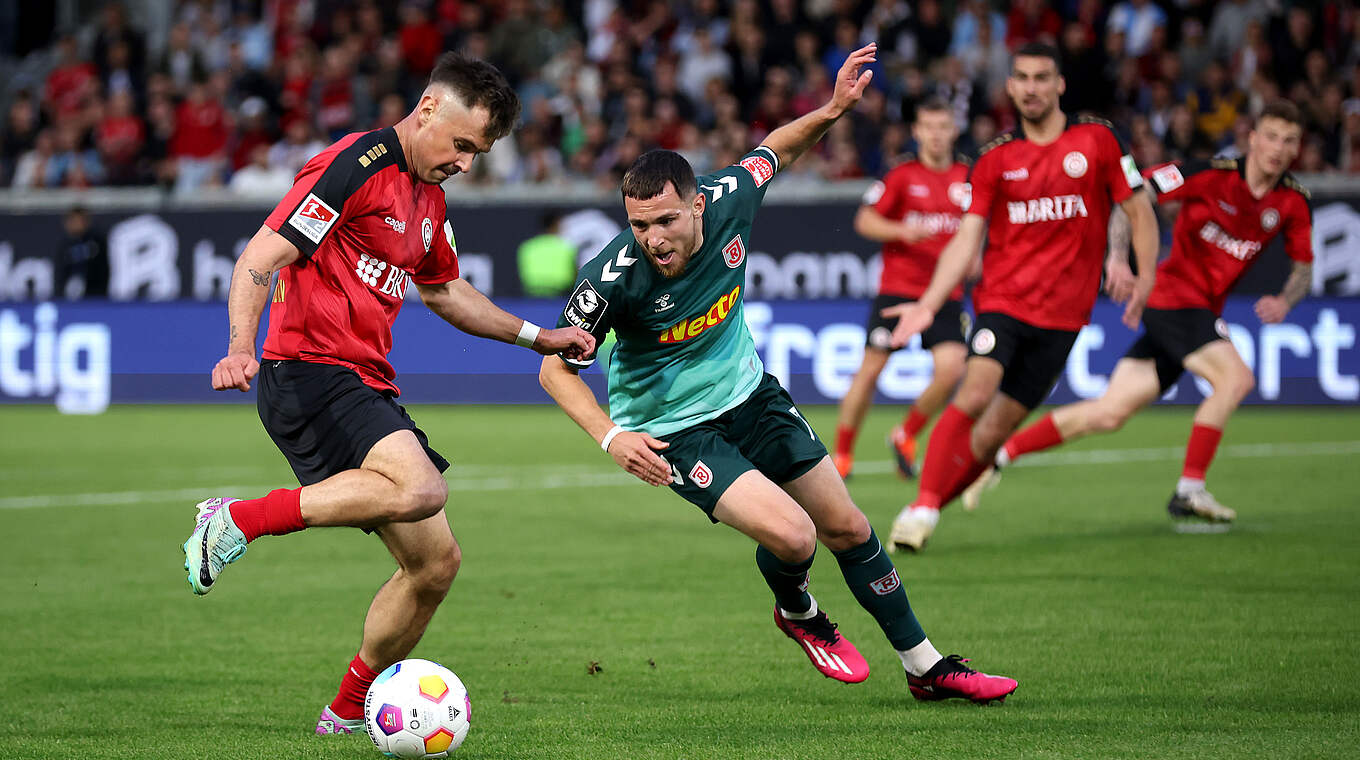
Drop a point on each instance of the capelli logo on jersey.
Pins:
(1056, 208)
(1239, 249)
(1015, 175)
(396, 224)
(936, 221)
(693, 328)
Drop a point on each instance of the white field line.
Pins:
(528, 478)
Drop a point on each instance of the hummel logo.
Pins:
(663, 303)
(622, 260)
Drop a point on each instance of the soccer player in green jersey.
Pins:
(690, 405)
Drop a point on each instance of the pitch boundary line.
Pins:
(564, 477)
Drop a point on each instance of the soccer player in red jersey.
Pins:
(1230, 210)
(914, 211)
(364, 218)
(1043, 195)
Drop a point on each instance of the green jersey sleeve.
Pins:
(739, 189)
(597, 301)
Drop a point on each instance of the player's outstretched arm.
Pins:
(955, 260)
(793, 139)
(634, 452)
(1143, 234)
(880, 229)
(265, 254)
(1273, 309)
(464, 307)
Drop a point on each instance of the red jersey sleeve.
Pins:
(1119, 170)
(886, 196)
(324, 194)
(441, 265)
(982, 181)
(1298, 230)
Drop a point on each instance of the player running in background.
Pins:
(364, 217)
(692, 407)
(1230, 210)
(913, 212)
(1043, 195)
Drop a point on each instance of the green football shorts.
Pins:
(766, 432)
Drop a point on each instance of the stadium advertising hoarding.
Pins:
(188, 255)
(83, 356)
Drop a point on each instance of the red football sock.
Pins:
(1043, 434)
(947, 455)
(275, 514)
(914, 422)
(349, 703)
(1200, 451)
(965, 477)
(845, 440)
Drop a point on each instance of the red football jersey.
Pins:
(365, 227)
(917, 194)
(1220, 229)
(1048, 207)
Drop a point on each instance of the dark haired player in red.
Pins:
(1043, 194)
(914, 212)
(1230, 211)
(365, 217)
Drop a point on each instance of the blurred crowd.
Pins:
(242, 92)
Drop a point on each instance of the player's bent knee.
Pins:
(791, 545)
(846, 532)
(1108, 420)
(421, 499)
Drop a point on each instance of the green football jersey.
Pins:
(684, 352)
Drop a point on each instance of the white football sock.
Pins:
(1187, 486)
(926, 514)
(811, 611)
(1003, 457)
(920, 658)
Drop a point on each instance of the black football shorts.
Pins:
(325, 420)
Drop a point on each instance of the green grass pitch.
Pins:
(1129, 640)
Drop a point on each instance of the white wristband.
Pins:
(528, 333)
(609, 437)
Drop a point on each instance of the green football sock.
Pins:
(873, 580)
(787, 581)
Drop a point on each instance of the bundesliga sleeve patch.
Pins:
(585, 307)
(760, 168)
(313, 218)
(874, 194)
(1167, 178)
(1131, 173)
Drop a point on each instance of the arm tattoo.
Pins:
(233, 332)
(261, 279)
(1120, 235)
(1299, 282)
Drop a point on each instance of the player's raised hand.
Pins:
(636, 453)
(235, 370)
(853, 78)
(1272, 310)
(912, 319)
(571, 342)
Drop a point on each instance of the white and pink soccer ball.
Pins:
(417, 709)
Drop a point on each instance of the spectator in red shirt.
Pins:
(71, 83)
(1032, 21)
(420, 39)
(200, 142)
(119, 136)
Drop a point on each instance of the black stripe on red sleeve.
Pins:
(318, 212)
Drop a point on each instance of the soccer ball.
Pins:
(417, 709)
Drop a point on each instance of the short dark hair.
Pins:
(479, 84)
(1038, 50)
(1283, 110)
(934, 104)
(648, 175)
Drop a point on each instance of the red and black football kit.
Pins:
(1048, 209)
(916, 194)
(1220, 230)
(365, 227)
